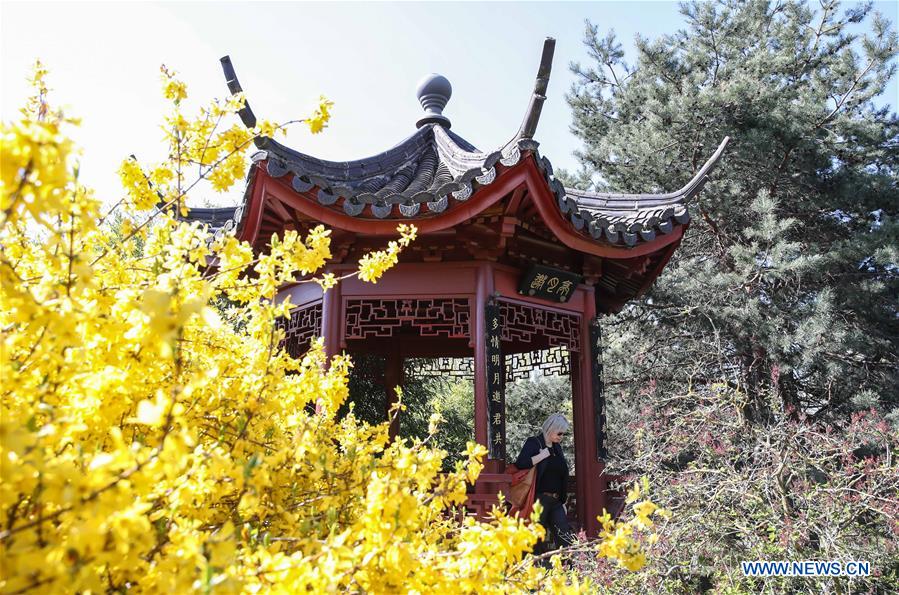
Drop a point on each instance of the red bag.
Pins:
(521, 490)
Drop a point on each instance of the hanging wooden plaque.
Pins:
(496, 399)
(548, 283)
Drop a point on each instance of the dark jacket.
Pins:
(532, 446)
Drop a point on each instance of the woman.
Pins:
(544, 452)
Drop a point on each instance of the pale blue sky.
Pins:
(367, 58)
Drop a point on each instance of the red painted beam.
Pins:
(250, 230)
(485, 197)
(510, 180)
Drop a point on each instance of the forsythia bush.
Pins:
(622, 541)
(154, 436)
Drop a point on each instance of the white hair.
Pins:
(555, 423)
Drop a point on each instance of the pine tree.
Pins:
(787, 278)
(750, 384)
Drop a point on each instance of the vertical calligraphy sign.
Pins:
(599, 397)
(496, 377)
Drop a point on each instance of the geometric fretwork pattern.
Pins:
(547, 362)
(523, 324)
(434, 317)
(303, 325)
(550, 362)
(457, 368)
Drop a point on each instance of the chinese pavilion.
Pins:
(508, 262)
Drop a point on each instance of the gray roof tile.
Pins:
(436, 168)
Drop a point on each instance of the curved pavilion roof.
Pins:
(434, 169)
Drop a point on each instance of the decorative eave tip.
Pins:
(532, 115)
(246, 112)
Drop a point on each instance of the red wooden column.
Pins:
(588, 465)
(332, 320)
(483, 290)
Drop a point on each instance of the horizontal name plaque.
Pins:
(548, 283)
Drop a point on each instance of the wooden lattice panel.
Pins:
(304, 324)
(550, 362)
(436, 317)
(518, 366)
(459, 368)
(527, 324)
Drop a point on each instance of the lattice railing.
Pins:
(526, 324)
(549, 362)
(518, 366)
(431, 317)
(457, 368)
(304, 324)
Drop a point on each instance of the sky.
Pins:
(368, 58)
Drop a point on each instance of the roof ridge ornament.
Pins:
(433, 92)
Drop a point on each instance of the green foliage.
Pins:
(787, 277)
(454, 399)
(367, 396)
(777, 319)
(421, 397)
(529, 403)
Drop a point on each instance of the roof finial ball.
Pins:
(433, 92)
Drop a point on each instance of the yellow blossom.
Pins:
(374, 264)
(155, 436)
(327, 281)
(173, 88)
(320, 117)
(621, 540)
(643, 510)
